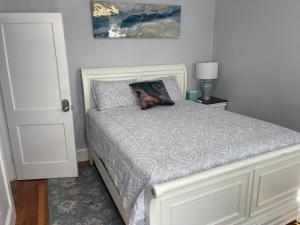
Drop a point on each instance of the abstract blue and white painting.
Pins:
(135, 20)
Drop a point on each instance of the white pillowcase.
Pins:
(112, 94)
(172, 88)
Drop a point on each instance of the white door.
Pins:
(35, 81)
(7, 209)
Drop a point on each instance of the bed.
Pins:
(262, 188)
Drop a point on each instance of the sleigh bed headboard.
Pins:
(132, 72)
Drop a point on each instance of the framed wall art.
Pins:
(113, 19)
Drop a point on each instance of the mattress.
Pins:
(144, 147)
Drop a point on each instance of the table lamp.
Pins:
(206, 72)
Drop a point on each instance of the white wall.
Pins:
(195, 43)
(257, 43)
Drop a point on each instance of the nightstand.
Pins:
(214, 102)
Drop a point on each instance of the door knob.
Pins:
(65, 105)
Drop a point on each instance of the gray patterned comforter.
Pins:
(140, 147)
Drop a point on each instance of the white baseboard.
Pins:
(82, 154)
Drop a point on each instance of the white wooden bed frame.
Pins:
(262, 190)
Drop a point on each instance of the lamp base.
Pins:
(206, 87)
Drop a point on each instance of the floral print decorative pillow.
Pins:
(151, 94)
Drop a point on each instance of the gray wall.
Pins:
(257, 43)
(195, 43)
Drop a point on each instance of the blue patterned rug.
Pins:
(81, 201)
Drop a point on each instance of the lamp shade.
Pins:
(207, 71)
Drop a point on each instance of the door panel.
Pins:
(40, 68)
(34, 80)
(40, 149)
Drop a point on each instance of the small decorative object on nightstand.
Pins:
(206, 73)
(192, 95)
(214, 102)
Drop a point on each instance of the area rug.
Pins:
(81, 201)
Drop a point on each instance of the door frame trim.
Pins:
(6, 143)
(11, 214)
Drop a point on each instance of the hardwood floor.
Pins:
(31, 201)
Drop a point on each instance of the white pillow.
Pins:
(111, 94)
(172, 88)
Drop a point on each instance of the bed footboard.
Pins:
(264, 192)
